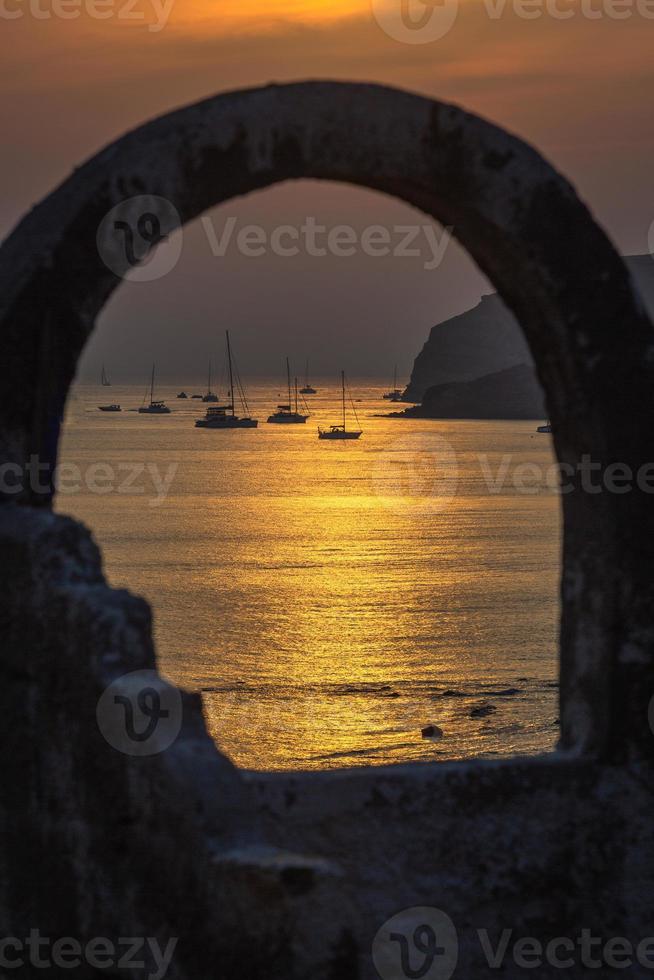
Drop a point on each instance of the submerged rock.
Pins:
(482, 710)
(432, 731)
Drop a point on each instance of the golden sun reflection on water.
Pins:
(330, 601)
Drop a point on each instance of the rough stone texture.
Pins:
(294, 885)
(544, 847)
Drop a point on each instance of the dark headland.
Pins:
(478, 365)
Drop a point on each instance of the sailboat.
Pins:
(224, 416)
(104, 380)
(154, 408)
(394, 395)
(341, 431)
(210, 396)
(307, 389)
(285, 414)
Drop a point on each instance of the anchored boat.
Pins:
(155, 407)
(285, 415)
(395, 394)
(210, 395)
(224, 416)
(307, 389)
(341, 431)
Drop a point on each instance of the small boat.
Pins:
(224, 416)
(341, 431)
(307, 389)
(210, 395)
(104, 380)
(394, 395)
(545, 428)
(110, 408)
(182, 394)
(217, 417)
(155, 407)
(197, 396)
(285, 415)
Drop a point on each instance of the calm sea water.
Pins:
(332, 599)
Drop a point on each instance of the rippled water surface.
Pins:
(332, 599)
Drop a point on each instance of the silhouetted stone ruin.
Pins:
(291, 876)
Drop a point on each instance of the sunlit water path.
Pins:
(332, 599)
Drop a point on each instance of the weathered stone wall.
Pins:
(544, 847)
(290, 876)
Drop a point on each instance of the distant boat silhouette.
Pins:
(224, 416)
(210, 396)
(104, 380)
(307, 389)
(545, 428)
(110, 408)
(341, 431)
(395, 394)
(285, 415)
(182, 394)
(155, 407)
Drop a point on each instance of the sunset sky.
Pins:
(577, 88)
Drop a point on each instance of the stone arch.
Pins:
(516, 216)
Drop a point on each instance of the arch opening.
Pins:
(328, 617)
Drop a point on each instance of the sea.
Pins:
(333, 600)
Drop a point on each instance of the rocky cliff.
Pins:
(510, 394)
(487, 340)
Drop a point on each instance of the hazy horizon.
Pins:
(573, 88)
